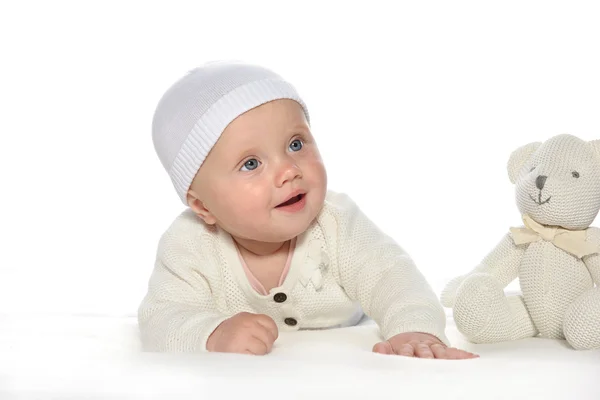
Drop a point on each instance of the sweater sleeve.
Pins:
(379, 274)
(178, 313)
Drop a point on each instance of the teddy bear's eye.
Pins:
(575, 174)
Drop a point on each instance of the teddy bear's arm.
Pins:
(592, 262)
(502, 263)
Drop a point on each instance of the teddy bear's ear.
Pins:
(518, 158)
(595, 146)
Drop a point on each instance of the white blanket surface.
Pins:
(96, 357)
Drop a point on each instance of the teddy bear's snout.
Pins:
(540, 181)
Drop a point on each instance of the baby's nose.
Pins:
(540, 181)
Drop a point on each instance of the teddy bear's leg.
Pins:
(581, 325)
(484, 314)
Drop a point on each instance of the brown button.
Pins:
(280, 297)
(290, 321)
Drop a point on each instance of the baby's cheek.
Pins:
(312, 163)
(243, 209)
(319, 175)
(250, 200)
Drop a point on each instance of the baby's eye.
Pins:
(250, 165)
(575, 174)
(296, 145)
(532, 168)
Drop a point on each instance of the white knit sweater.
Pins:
(342, 265)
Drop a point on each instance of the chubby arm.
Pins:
(178, 313)
(380, 275)
(502, 263)
(592, 262)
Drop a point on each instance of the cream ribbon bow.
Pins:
(573, 242)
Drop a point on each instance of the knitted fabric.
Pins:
(558, 185)
(342, 266)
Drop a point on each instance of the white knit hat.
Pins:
(192, 114)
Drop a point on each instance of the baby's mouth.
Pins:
(539, 201)
(291, 201)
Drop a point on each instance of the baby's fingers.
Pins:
(439, 351)
(422, 350)
(268, 323)
(256, 347)
(406, 350)
(452, 353)
(383, 348)
(387, 348)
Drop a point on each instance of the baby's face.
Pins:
(264, 180)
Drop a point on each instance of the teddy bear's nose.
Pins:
(540, 181)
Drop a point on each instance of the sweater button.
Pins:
(280, 297)
(290, 321)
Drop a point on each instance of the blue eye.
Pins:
(296, 145)
(250, 165)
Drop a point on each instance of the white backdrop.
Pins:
(416, 107)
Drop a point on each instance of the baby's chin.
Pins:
(276, 232)
(281, 234)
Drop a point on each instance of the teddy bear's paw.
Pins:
(480, 308)
(448, 295)
(581, 325)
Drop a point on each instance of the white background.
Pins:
(416, 107)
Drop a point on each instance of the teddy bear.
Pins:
(554, 255)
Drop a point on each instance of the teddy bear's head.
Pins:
(558, 181)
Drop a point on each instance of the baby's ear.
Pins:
(518, 158)
(199, 208)
(595, 146)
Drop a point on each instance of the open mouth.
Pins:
(539, 201)
(291, 201)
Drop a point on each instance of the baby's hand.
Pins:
(422, 345)
(244, 333)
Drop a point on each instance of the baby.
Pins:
(263, 246)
